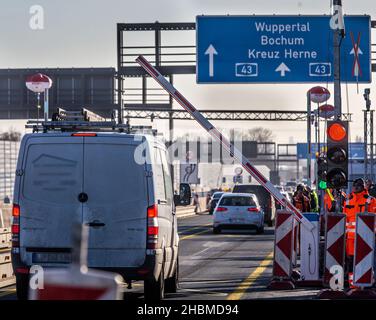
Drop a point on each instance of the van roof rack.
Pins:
(85, 120)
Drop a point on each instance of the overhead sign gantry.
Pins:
(280, 49)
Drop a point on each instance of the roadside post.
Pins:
(76, 282)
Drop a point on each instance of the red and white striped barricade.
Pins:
(76, 283)
(364, 257)
(334, 256)
(283, 251)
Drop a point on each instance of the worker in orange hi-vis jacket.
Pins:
(358, 201)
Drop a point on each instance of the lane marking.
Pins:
(198, 227)
(194, 235)
(253, 276)
(207, 291)
(209, 281)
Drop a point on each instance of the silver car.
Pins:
(238, 211)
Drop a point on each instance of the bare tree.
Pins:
(259, 134)
(11, 135)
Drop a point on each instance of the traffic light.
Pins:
(337, 154)
(322, 171)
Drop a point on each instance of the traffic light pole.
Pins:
(309, 138)
(365, 143)
(338, 35)
(337, 74)
(371, 136)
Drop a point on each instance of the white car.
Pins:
(238, 211)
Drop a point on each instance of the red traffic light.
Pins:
(337, 131)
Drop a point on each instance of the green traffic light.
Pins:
(323, 185)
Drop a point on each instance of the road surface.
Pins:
(232, 265)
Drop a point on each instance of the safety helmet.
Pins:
(300, 187)
(359, 182)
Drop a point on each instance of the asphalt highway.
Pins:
(233, 265)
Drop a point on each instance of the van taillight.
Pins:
(152, 228)
(153, 211)
(16, 226)
(16, 210)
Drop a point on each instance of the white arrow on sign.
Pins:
(282, 68)
(356, 66)
(211, 52)
(359, 51)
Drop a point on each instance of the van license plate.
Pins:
(51, 257)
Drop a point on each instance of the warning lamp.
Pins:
(322, 171)
(323, 185)
(337, 154)
(337, 132)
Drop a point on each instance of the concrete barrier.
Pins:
(188, 211)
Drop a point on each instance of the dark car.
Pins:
(265, 198)
(214, 200)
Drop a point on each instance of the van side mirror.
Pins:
(185, 194)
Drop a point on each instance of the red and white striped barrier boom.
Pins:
(154, 73)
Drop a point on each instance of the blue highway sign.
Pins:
(280, 49)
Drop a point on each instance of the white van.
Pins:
(96, 179)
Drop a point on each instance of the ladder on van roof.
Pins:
(85, 120)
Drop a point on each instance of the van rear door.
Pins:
(117, 201)
(48, 197)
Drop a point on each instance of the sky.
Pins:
(82, 33)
